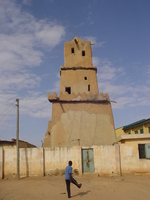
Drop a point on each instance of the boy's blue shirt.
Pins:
(68, 171)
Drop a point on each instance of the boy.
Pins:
(69, 179)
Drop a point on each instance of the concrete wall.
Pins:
(130, 162)
(119, 131)
(57, 158)
(1, 163)
(52, 161)
(31, 162)
(108, 160)
(105, 159)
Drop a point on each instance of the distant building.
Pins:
(12, 144)
(80, 114)
(138, 127)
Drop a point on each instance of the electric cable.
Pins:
(3, 129)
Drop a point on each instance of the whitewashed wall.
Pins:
(56, 159)
(130, 162)
(1, 163)
(105, 159)
(108, 160)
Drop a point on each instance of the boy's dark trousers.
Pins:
(68, 188)
(68, 185)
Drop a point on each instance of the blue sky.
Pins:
(32, 36)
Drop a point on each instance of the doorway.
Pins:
(87, 160)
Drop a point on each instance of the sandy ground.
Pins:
(94, 187)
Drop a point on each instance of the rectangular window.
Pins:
(68, 89)
(88, 87)
(72, 50)
(141, 131)
(149, 129)
(144, 151)
(136, 132)
(85, 78)
(141, 148)
(83, 53)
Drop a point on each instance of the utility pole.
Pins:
(17, 138)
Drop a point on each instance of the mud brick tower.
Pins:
(80, 114)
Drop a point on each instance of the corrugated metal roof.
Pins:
(142, 121)
(13, 141)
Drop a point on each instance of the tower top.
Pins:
(77, 53)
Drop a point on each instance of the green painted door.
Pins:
(147, 150)
(87, 160)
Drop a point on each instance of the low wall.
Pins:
(108, 160)
(105, 160)
(30, 162)
(130, 162)
(1, 163)
(57, 158)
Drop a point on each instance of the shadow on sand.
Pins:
(81, 193)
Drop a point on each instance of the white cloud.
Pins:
(122, 102)
(35, 106)
(90, 38)
(49, 34)
(21, 33)
(17, 52)
(114, 81)
(56, 87)
(95, 61)
(94, 41)
(13, 81)
(27, 2)
(106, 71)
(90, 18)
(22, 38)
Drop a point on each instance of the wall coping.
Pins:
(133, 137)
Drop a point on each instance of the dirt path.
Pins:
(94, 187)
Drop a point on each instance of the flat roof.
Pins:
(133, 136)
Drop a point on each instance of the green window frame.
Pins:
(149, 129)
(141, 131)
(136, 131)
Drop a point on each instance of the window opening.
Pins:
(141, 148)
(141, 131)
(72, 50)
(88, 87)
(149, 129)
(68, 89)
(136, 132)
(144, 151)
(85, 78)
(83, 53)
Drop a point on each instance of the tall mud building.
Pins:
(80, 114)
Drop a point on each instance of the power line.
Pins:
(8, 121)
(6, 102)
(5, 111)
(7, 97)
